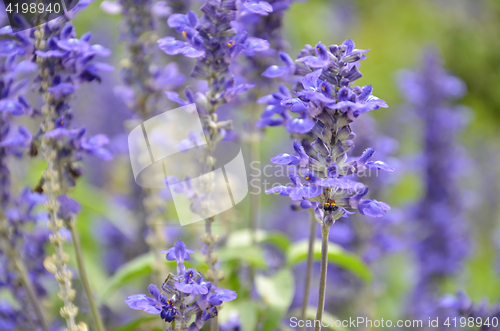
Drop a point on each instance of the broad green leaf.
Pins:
(251, 254)
(336, 255)
(277, 295)
(96, 200)
(243, 238)
(136, 268)
(247, 311)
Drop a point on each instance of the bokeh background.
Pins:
(464, 32)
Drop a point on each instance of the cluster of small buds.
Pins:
(327, 103)
(185, 294)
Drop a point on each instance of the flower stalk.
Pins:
(325, 230)
(309, 267)
(83, 275)
(62, 146)
(57, 263)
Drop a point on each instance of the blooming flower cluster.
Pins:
(327, 102)
(184, 295)
(214, 42)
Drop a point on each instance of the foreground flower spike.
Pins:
(183, 295)
(326, 102)
(65, 61)
(443, 244)
(19, 274)
(214, 43)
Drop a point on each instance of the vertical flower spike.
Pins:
(64, 61)
(19, 272)
(215, 42)
(326, 103)
(184, 295)
(143, 84)
(442, 244)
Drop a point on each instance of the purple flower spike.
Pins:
(320, 114)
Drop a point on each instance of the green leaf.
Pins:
(134, 325)
(277, 295)
(251, 254)
(136, 268)
(98, 201)
(247, 313)
(243, 238)
(336, 254)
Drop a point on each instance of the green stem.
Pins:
(325, 230)
(254, 197)
(83, 276)
(214, 277)
(214, 325)
(309, 268)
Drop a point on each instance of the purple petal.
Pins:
(155, 292)
(11, 106)
(254, 45)
(285, 159)
(379, 165)
(222, 295)
(300, 125)
(193, 288)
(137, 301)
(310, 81)
(309, 192)
(373, 208)
(282, 190)
(275, 71)
(261, 7)
(111, 7)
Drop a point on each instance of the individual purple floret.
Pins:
(183, 295)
